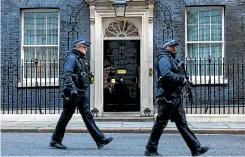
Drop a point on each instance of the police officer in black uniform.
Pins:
(76, 94)
(169, 89)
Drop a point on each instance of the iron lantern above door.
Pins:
(120, 8)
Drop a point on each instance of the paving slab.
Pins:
(73, 125)
(9, 124)
(35, 123)
(235, 125)
(147, 124)
(109, 125)
(209, 125)
(17, 117)
(137, 124)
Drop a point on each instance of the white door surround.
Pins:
(99, 16)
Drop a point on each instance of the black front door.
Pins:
(121, 75)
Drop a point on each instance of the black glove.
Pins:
(73, 94)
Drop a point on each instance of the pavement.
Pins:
(200, 124)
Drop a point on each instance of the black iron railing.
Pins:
(219, 86)
(33, 87)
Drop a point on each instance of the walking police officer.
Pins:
(169, 89)
(76, 94)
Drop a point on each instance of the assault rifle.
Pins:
(188, 85)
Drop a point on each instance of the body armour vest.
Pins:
(81, 73)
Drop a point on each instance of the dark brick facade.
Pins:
(234, 10)
(11, 33)
(11, 50)
(11, 23)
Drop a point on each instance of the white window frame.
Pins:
(31, 82)
(205, 79)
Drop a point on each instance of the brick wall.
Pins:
(11, 48)
(234, 36)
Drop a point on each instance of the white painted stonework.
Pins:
(142, 16)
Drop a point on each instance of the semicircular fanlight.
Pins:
(121, 29)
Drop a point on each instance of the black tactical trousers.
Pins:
(81, 101)
(175, 113)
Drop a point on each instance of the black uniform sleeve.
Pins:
(69, 66)
(166, 72)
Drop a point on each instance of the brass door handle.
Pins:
(150, 71)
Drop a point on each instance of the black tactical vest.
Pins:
(81, 73)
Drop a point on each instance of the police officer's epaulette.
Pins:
(74, 54)
(71, 53)
(162, 55)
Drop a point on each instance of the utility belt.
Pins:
(161, 100)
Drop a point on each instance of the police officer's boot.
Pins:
(147, 153)
(200, 150)
(104, 141)
(57, 145)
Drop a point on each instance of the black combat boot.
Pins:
(104, 141)
(148, 153)
(200, 150)
(57, 145)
